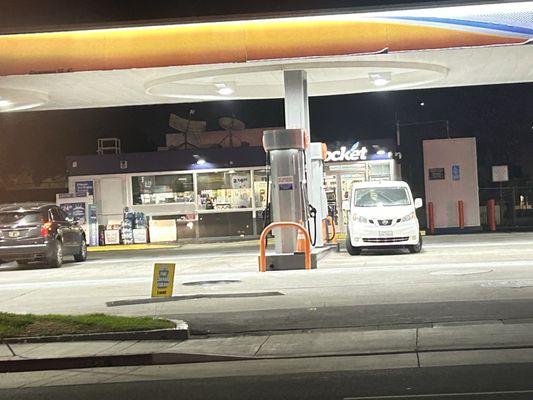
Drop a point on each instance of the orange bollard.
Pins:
(300, 241)
(262, 243)
(491, 215)
(461, 207)
(431, 218)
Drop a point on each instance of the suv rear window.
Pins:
(20, 218)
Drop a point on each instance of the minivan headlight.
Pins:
(359, 218)
(409, 217)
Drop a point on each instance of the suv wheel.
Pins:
(82, 255)
(353, 251)
(416, 248)
(55, 259)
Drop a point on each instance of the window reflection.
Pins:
(224, 190)
(162, 189)
(260, 188)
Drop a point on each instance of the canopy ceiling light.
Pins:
(266, 81)
(224, 89)
(380, 79)
(20, 99)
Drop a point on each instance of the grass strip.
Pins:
(27, 325)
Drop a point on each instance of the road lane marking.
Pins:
(441, 395)
(169, 258)
(475, 244)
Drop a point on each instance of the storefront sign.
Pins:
(436, 174)
(240, 181)
(84, 188)
(285, 182)
(163, 280)
(456, 172)
(345, 154)
(76, 211)
(379, 149)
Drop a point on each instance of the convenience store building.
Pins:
(212, 192)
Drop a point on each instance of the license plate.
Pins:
(13, 234)
(385, 234)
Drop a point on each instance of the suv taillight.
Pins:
(45, 229)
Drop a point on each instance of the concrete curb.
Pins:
(129, 360)
(180, 332)
(48, 364)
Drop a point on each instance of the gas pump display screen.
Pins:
(436, 174)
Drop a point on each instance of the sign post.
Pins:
(500, 173)
(163, 280)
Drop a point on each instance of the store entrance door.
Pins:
(344, 191)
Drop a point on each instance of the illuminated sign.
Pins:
(361, 152)
(343, 154)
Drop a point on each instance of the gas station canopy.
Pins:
(345, 53)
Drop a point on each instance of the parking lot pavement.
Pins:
(470, 271)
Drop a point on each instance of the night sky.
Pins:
(499, 116)
(38, 15)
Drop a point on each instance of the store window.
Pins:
(225, 224)
(162, 189)
(260, 188)
(379, 171)
(224, 190)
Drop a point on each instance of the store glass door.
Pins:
(345, 187)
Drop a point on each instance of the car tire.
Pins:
(416, 248)
(55, 259)
(82, 255)
(352, 250)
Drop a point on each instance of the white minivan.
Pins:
(382, 214)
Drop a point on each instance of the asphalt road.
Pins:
(217, 287)
(483, 382)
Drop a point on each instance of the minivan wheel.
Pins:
(353, 251)
(416, 248)
(55, 259)
(82, 255)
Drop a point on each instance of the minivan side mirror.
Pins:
(418, 202)
(346, 205)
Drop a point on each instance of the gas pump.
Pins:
(317, 196)
(297, 223)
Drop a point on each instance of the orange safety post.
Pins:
(431, 218)
(491, 214)
(266, 231)
(461, 207)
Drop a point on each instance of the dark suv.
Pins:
(39, 232)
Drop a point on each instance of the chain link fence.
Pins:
(514, 205)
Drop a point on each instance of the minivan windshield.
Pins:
(20, 218)
(381, 196)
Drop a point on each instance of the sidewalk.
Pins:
(341, 342)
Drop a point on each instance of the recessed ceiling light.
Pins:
(201, 161)
(225, 91)
(381, 79)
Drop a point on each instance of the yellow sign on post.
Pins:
(163, 281)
